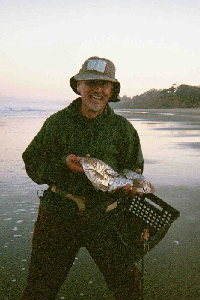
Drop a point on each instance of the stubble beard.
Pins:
(95, 107)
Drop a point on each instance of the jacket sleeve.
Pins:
(139, 160)
(131, 152)
(44, 158)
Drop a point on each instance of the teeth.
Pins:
(96, 97)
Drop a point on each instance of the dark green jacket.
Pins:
(109, 137)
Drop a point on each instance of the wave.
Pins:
(19, 109)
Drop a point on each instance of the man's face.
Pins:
(95, 94)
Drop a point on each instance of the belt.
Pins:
(80, 201)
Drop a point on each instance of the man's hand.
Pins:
(73, 163)
(129, 190)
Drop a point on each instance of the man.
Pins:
(72, 214)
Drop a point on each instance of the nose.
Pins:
(98, 87)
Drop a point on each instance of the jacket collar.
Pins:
(74, 109)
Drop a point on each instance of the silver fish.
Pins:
(104, 178)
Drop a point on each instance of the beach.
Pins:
(171, 146)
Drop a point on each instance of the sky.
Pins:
(153, 44)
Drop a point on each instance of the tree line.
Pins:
(182, 96)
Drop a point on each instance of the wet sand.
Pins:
(170, 142)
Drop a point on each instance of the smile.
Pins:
(96, 98)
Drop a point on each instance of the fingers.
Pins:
(140, 194)
(133, 192)
(128, 190)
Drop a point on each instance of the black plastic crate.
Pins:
(140, 213)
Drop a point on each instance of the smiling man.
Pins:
(95, 95)
(72, 214)
(96, 84)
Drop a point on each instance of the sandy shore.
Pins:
(175, 114)
(171, 268)
(187, 111)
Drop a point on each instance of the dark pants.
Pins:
(57, 240)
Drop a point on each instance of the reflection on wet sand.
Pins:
(170, 142)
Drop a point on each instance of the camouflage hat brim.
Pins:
(116, 88)
(93, 75)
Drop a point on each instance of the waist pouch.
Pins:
(58, 205)
(70, 205)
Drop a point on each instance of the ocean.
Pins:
(171, 146)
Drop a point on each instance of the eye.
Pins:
(92, 83)
(89, 82)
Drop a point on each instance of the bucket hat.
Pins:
(99, 69)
